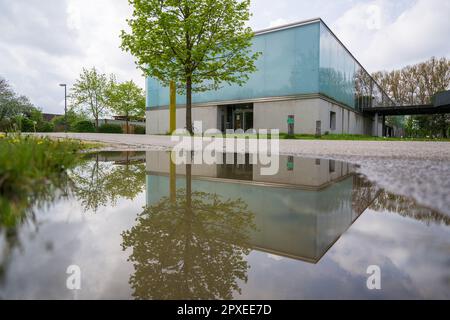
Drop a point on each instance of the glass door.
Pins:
(238, 120)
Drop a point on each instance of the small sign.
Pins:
(291, 120)
(290, 163)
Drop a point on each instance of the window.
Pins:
(332, 166)
(333, 120)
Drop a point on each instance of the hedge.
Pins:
(139, 130)
(83, 126)
(110, 128)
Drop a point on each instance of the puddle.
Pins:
(138, 226)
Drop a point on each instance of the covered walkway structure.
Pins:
(440, 105)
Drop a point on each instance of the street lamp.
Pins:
(65, 105)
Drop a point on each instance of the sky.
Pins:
(47, 42)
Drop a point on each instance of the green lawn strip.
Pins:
(342, 137)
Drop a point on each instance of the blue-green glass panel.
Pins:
(337, 69)
(343, 79)
(289, 65)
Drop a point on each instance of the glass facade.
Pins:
(304, 59)
(343, 79)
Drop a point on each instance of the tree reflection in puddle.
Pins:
(96, 183)
(190, 245)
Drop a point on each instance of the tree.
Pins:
(417, 84)
(11, 104)
(200, 44)
(89, 92)
(127, 100)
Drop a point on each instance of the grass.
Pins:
(355, 137)
(29, 168)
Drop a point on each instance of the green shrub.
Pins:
(45, 127)
(110, 128)
(83, 126)
(59, 122)
(139, 130)
(27, 125)
(6, 125)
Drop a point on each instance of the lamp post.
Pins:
(65, 105)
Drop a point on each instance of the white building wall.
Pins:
(158, 120)
(274, 115)
(347, 121)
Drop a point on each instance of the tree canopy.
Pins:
(89, 93)
(126, 99)
(12, 104)
(415, 85)
(200, 44)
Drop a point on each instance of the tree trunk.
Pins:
(189, 186)
(96, 123)
(189, 105)
(128, 131)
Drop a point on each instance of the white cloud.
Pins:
(277, 22)
(275, 257)
(44, 43)
(374, 17)
(48, 42)
(383, 38)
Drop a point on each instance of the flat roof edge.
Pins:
(287, 26)
(318, 20)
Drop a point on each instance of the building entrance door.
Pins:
(243, 119)
(238, 121)
(236, 117)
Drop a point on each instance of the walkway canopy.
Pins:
(441, 105)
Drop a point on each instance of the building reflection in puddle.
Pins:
(200, 221)
(217, 231)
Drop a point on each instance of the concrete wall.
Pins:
(273, 115)
(304, 172)
(158, 120)
(159, 163)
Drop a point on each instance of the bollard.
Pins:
(318, 129)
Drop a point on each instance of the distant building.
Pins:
(134, 119)
(50, 116)
(304, 73)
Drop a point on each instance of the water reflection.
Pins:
(299, 212)
(141, 227)
(189, 245)
(407, 207)
(96, 183)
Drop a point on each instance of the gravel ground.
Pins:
(416, 169)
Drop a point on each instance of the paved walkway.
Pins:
(416, 169)
(322, 148)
